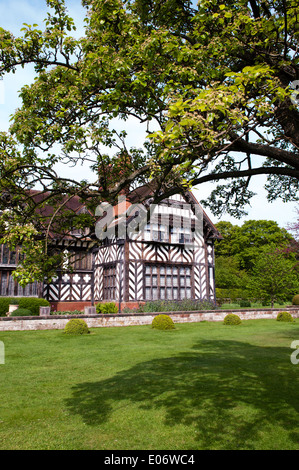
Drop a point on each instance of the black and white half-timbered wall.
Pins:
(170, 258)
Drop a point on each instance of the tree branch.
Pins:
(245, 173)
(274, 153)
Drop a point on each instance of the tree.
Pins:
(228, 274)
(252, 252)
(244, 242)
(213, 82)
(230, 280)
(274, 276)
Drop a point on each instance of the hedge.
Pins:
(21, 312)
(30, 303)
(231, 295)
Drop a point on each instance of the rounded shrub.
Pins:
(21, 312)
(232, 319)
(76, 326)
(108, 307)
(295, 300)
(163, 322)
(284, 316)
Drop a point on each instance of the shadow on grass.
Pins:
(226, 391)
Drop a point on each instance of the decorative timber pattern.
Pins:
(136, 277)
(108, 257)
(166, 260)
(160, 253)
(69, 287)
(171, 258)
(149, 252)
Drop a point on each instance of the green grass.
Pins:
(201, 386)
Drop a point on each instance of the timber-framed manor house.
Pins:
(170, 258)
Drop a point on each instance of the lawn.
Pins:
(201, 386)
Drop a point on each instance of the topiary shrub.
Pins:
(163, 322)
(76, 326)
(295, 300)
(232, 319)
(108, 307)
(21, 312)
(284, 316)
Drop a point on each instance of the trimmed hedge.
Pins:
(295, 300)
(4, 304)
(231, 295)
(163, 322)
(284, 316)
(232, 319)
(33, 304)
(245, 303)
(76, 326)
(21, 312)
(30, 303)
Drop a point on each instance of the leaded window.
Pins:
(109, 282)
(9, 287)
(167, 282)
(7, 256)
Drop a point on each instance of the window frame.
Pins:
(173, 282)
(109, 282)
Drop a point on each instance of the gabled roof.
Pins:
(143, 193)
(146, 191)
(47, 210)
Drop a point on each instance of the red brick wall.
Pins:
(68, 306)
(71, 306)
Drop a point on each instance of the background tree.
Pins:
(212, 82)
(231, 281)
(274, 276)
(246, 255)
(244, 242)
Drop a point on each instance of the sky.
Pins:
(16, 12)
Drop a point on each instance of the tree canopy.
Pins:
(256, 260)
(214, 82)
(245, 242)
(274, 276)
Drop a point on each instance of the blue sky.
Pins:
(16, 12)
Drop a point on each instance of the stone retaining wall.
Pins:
(53, 322)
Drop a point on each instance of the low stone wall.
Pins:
(53, 322)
